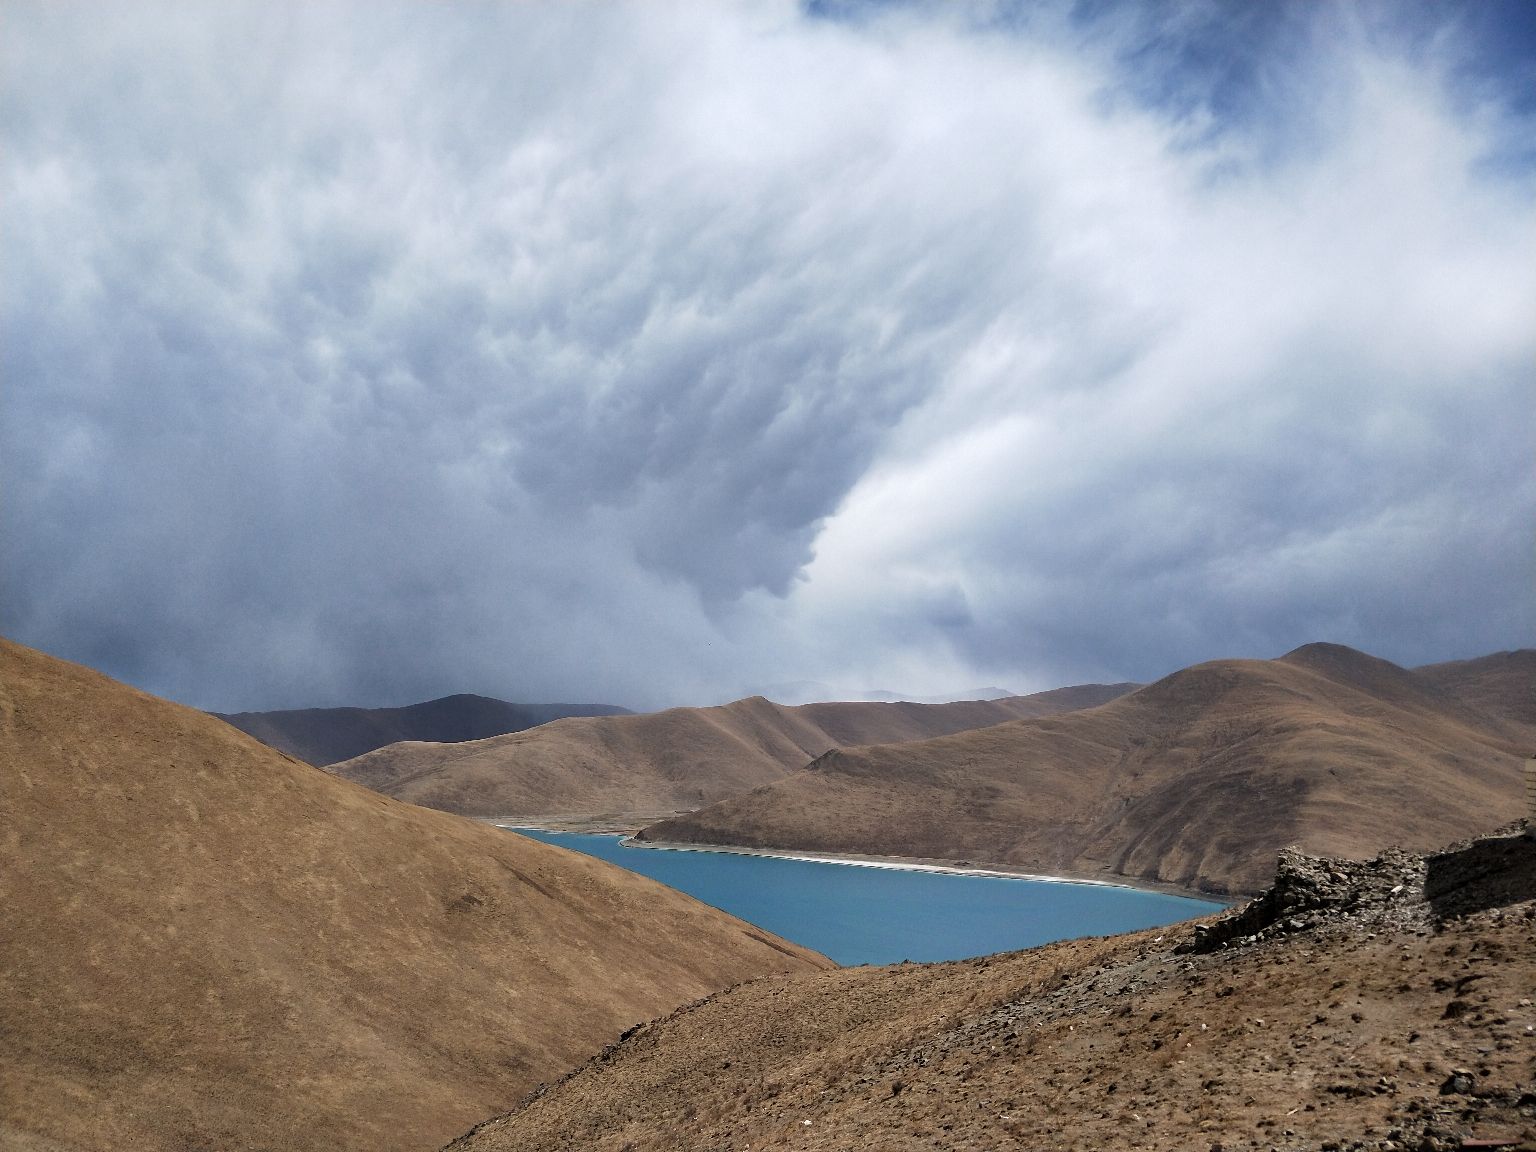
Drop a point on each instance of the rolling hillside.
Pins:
(667, 761)
(1197, 780)
(209, 945)
(323, 736)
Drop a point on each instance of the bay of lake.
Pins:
(859, 914)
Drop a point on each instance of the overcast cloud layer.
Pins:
(655, 354)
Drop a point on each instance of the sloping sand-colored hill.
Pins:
(206, 944)
(1196, 780)
(1384, 1005)
(667, 761)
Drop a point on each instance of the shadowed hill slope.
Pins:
(325, 735)
(209, 945)
(1503, 684)
(667, 761)
(1196, 780)
(1390, 1008)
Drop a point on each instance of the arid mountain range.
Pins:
(666, 762)
(1197, 780)
(207, 944)
(1193, 782)
(1382, 1005)
(325, 735)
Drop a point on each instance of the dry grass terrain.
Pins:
(205, 944)
(326, 735)
(1503, 684)
(1381, 1006)
(1197, 780)
(668, 761)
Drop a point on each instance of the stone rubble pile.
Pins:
(1308, 889)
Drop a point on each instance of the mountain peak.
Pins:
(1350, 666)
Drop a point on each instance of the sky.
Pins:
(654, 354)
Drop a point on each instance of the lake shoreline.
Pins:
(625, 830)
(939, 867)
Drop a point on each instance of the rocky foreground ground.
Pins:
(1377, 1005)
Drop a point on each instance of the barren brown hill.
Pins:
(667, 761)
(1358, 1006)
(1197, 780)
(325, 735)
(206, 944)
(1503, 684)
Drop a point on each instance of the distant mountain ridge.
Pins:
(943, 698)
(322, 736)
(1196, 780)
(796, 692)
(668, 761)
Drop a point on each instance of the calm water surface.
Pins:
(859, 915)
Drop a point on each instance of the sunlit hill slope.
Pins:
(1197, 780)
(209, 945)
(667, 761)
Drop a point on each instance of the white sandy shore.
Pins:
(892, 863)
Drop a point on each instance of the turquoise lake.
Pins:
(863, 915)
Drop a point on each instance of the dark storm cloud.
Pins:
(650, 353)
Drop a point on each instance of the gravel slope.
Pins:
(1384, 1005)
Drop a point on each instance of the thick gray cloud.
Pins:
(650, 353)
